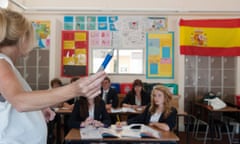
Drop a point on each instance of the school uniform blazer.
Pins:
(144, 118)
(112, 97)
(130, 98)
(100, 114)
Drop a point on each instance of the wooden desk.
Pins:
(123, 114)
(211, 111)
(65, 111)
(74, 136)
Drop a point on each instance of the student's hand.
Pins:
(97, 123)
(89, 121)
(89, 86)
(48, 114)
(108, 107)
(123, 123)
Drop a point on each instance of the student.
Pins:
(160, 112)
(24, 112)
(89, 112)
(137, 97)
(55, 83)
(109, 94)
(69, 104)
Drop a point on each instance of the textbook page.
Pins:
(90, 133)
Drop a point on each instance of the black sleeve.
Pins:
(145, 98)
(171, 119)
(75, 120)
(126, 99)
(103, 116)
(114, 98)
(142, 118)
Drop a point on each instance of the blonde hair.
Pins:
(15, 29)
(167, 104)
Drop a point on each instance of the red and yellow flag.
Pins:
(210, 37)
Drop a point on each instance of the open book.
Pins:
(131, 131)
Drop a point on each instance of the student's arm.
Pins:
(141, 118)
(127, 101)
(169, 123)
(106, 120)
(114, 98)
(75, 120)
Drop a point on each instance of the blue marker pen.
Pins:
(106, 60)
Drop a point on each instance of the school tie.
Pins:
(105, 96)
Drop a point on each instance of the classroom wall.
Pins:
(54, 11)
(179, 5)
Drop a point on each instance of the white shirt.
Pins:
(91, 111)
(155, 117)
(21, 127)
(104, 96)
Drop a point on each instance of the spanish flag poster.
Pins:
(210, 37)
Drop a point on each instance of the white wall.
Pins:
(178, 5)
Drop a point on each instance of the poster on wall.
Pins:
(42, 33)
(74, 53)
(160, 55)
(156, 24)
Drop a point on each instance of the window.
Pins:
(124, 61)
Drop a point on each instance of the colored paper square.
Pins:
(153, 46)
(68, 45)
(80, 26)
(91, 19)
(68, 26)
(102, 19)
(80, 36)
(153, 68)
(166, 52)
(80, 19)
(102, 26)
(68, 18)
(67, 35)
(112, 19)
(91, 26)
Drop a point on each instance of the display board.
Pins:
(74, 53)
(160, 55)
(126, 32)
(42, 33)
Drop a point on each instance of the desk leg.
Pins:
(211, 126)
(58, 138)
(188, 125)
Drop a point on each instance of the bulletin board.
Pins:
(74, 53)
(128, 32)
(160, 55)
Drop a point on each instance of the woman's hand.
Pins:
(89, 86)
(48, 114)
